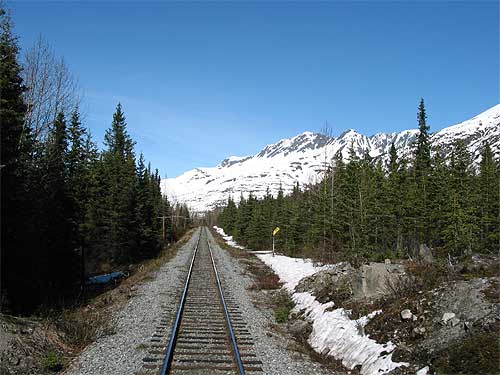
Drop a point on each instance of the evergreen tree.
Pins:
(339, 213)
(423, 146)
(80, 158)
(439, 196)
(112, 225)
(459, 230)
(488, 202)
(15, 154)
(392, 203)
(60, 261)
(257, 228)
(421, 173)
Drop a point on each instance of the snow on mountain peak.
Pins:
(301, 159)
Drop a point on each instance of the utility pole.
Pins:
(163, 226)
(163, 218)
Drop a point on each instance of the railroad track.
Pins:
(208, 335)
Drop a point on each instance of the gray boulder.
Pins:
(406, 314)
(373, 279)
(447, 316)
(342, 282)
(332, 284)
(425, 254)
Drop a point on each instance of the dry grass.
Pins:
(268, 281)
(81, 327)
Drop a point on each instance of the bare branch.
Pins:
(51, 87)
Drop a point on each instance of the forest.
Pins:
(68, 209)
(369, 210)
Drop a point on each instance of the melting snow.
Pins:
(229, 239)
(333, 332)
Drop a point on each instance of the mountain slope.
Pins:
(302, 158)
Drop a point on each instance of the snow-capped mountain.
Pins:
(302, 159)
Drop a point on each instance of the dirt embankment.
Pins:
(441, 316)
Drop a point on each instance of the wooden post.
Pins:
(163, 226)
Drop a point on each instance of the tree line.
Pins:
(69, 210)
(367, 209)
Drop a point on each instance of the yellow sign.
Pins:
(276, 230)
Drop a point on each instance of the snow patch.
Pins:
(290, 270)
(333, 333)
(229, 239)
(423, 371)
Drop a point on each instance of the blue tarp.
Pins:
(106, 278)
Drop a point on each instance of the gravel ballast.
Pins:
(270, 347)
(123, 351)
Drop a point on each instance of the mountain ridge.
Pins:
(302, 158)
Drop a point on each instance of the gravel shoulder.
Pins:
(271, 346)
(122, 352)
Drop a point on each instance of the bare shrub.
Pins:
(267, 281)
(402, 287)
(80, 328)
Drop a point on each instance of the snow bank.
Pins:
(229, 239)
(290, 270)
(333, 332)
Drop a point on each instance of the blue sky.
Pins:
(203, 81)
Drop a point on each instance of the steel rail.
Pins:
(228, 319)
(175, 330)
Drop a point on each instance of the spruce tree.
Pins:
(60, 261)
(460, 229)
(79, 163)
(421, 174)
(114, 212)
(15, 154)
(439, 196)
(488, 202)
(423, 147)
(392, 202)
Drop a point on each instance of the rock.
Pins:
(477, 263)
(387, 261)
(373, 279)
(423, 371)
(425, 253)
(333, 283)
(341, 282)
(406, 314)
(414, 318)
(447, 316)
(299, 328)
(419, 331)
(453, 322)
